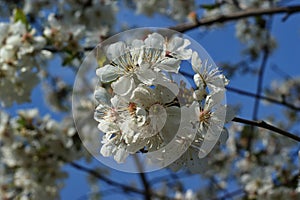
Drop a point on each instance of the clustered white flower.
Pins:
(20, 56)
(188, 195)
(62, 36)
(141, 111)
(178, 10)
(78, 25)
(74, 26)
(33, 151)
(268, 170)
(286, 90)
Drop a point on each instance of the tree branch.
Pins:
(260, 83)
(265, 125)
(122, 186)
(235, 16)
(259, 86)
(289, 10)
(56, 50)
(147, 188)
(275, 101)
(250, 94)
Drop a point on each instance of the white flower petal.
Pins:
(164, 94)
(177, 46)
(196, 62)
(127, 132)
(210, 139)
(155, 40)
(200, 94)
(123, 86)
(137, 43)
(121, 155)
(115, 101)
(141, 116)
(184, 54)
(169, 65)
(107, 149)
(165, 82)
(14, 40)
(199, 81)
(116, 50)
(108, 127)
(175, 43)
(143, 96)
(136, 145)
(158, 117)
(119, 102)
(146, 76)
(101, 95)
(214, 99)
(107, 73)
(7, 53)
(100, 112)
(217, 82)
(39, 42)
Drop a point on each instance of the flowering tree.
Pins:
(155, 98)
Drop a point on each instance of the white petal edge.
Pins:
(107, 73)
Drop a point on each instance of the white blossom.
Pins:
(141, 62)
(206, 75)
(33, 150)
(188, 195)
(19, 59)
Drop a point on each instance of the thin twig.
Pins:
(57, 50)
(145, 182)
(275, 101)
(260, 78)
(260, 83)
(219, 19)
(265, 125)
(124, 187)
(250, 94)
(235, 16)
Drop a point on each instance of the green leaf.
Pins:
(19, 15)
(21, 122)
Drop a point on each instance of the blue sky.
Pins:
(222, 45)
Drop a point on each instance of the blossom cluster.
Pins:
(70, 29)
(76, 26)
(33, 152)
(142, 108)
(267, 170)
(20, 55)
(178, 10)
(286, 91)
